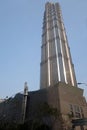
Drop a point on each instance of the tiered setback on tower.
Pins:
(56, 62)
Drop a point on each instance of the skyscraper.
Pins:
(56, 63)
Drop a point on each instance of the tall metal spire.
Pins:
(56, 63)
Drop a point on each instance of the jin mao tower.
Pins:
(56, 63)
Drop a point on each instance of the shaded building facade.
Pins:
(68, 100)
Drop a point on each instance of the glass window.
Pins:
(71, 110)
(75, 111)
(82, 112)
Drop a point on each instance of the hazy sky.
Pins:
(20, 41)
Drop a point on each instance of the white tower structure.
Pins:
(56, 63)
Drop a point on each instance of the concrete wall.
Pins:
(11, 109)
(37, 99)
(60, 96)
(70, 96)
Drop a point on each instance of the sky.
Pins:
(20, 42)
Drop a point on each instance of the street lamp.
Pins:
(85, 88)
(82, 83)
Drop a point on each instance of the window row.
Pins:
(76, 111)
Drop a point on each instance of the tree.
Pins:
(46, 115)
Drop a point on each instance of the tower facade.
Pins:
(56, 63)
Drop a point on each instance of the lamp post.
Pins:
(85, 88)
(79, 83)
